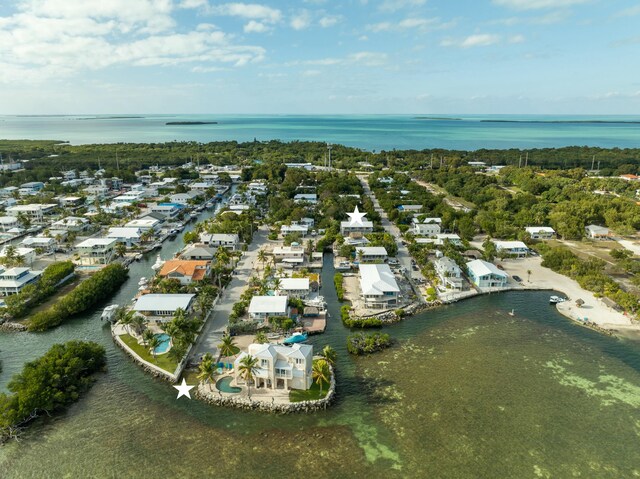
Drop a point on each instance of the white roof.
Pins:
(510, 244)
(8, 220)
(539, 229)
(91, 242)
(427, 220)
(163, 302)
(483, 268)
(298, 227)
(294, 284)
(145, 223)
(377, 279)
(598, 229)
(268, 304)
(288, 250)
(219, 237)
(123, 233)
(372, 251)
(365, 224)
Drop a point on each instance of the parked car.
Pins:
(517, 278)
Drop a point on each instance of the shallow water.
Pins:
(370, 132)
(467, 391)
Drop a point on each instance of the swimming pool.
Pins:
(164, 345)
(225, 386)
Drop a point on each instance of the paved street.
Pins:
(403, 256)
(215, 326)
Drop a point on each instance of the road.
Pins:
(403, 256)
(216, 325)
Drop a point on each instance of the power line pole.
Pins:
(520, 162)
(329, 149)
(593, 160)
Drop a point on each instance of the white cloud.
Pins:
(255, 27)
(516, 39)
(412, 23)
(538, 4)
(629, 12)
(301, 21)
(311, 73)
(55, 38)
(252, 11)
(369, 59)
(394, 5)
(330, 20)
(477, 40)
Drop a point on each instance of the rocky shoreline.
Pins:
(10, 326)
(242, 402)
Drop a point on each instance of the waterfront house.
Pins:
(163, 306)
(293, 254)
(449, 272)
(28, 255)
(128, 236)
(71, 223)
(512, 248)
(198, 252)
(185, 198)
(426, 229)
(12, 280)
(378, 285)
(168, 210)
(371, 253)
(540, 232)
(186, 271)
(279, 367)
(262, 308)
(31, 188)
(35, 212)
(228, 241)
(144, 224)
(596, 232)
(48, 245)
(294, 287)
(346, 228)
(8, 222)
(486, 275)
(94, 251)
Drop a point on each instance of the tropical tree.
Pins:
(360, 255)
(228, 346)
(277, 283)
(153, 343)
(321, 372)
(138, 322)
(126, 319)
(262, 257)
(329, 354)
(173, 330)
(207, 369)
(146, 336)
(261, 338)
(222, 256)
(529, 275)
(247, 370)
(120, 249)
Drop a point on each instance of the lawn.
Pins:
(162, 361)
(311, 394)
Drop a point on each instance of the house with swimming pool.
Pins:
(279, 367)
(162, 307)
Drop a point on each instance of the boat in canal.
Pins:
(296, 338)
(109, 313)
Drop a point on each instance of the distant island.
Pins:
(110, 118)
(191, 123)
(625, 122)
(436, 118)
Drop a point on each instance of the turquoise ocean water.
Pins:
(370, 132)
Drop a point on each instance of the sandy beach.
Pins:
(593, 309)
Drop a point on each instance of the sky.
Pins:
(320, 56)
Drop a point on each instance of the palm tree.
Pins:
(153, 344)
(261, 338)
(277, 283)
(528, 275)
(329, 354)
(173, 330)
(207, 369)
(120, 249)
(360, 255)
(321, 372)
(247, 369)
(138, 323)
(146, 336)
(262, 257)
(222, 256)
(310, 245)
(228, 346)
(127, 319)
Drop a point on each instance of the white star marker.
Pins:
(183, 389)
(356, 217)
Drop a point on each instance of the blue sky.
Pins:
(320, 56)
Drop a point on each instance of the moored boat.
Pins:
(556, 299)
(109, 313)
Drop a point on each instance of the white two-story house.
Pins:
(94, 251)
(378, 285)
(279, 367)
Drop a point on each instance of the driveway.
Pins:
(219, 318)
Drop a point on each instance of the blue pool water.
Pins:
(164, 346)
(225, 386)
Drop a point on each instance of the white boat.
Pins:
(158, 264)
(143, 281)
(109, 313)
(556, 299)
(343, 266)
